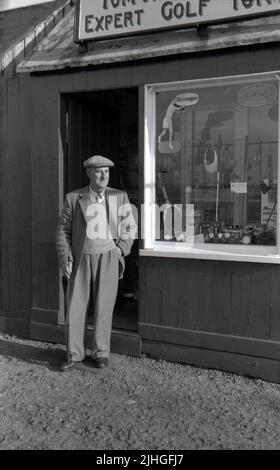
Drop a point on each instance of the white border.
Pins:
(152, 19)
(160, 249)
(214, 256)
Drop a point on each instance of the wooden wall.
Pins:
(2, 167)
(16, 233)
(214, 314)
(193, 309)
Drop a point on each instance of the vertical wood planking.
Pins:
(151, 287)
(264, 59)
(123, 76)
(221, 311)
(231, 63)
(171, 71)
(275, 303)
(192, 310)
(26, 217)
(170, 296)
(155, 72)
(202, 296)
(11, 196)
(107, 77)
(17, 175)
(101, 78)
(223, 63)
(196, 67)
(79, 81)
(45, 190)
(65, 82)
(240, 298)
(275, 58)
(74, 146)
(3, 194)
(218, 297)
(187, 285)
(138, 74)
(260, 303)
(93, 80)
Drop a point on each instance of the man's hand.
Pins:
(67, 269)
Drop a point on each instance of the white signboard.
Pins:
(238, 188)
(96, 19)
(257, 95)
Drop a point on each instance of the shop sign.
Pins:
(97, 19)
(268, 213)
(178, 105)
(257, 95)
(181, 102)
(238, 187)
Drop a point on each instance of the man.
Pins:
(96, 230)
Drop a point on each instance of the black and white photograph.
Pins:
(139, 228)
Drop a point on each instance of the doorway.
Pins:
(106, 123)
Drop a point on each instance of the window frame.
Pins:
(259, 254)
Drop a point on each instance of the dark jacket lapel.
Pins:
(112, 203)
(84, 199)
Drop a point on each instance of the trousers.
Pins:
(99, 273)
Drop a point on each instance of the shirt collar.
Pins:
(94, 194)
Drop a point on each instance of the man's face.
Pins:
(99, 177)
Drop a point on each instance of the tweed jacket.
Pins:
(71, 229)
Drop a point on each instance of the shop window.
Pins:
(211, 166)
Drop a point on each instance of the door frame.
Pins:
(63, 170)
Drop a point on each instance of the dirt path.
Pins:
(134, 404)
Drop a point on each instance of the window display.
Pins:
(214, 147)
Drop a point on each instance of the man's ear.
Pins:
(88, 173)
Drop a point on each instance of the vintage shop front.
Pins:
(190, 117)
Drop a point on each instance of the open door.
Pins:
(106, 123)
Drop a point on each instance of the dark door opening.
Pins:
(106, 123)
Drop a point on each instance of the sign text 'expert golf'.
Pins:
(109, 18)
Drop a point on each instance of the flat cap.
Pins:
(98, 161)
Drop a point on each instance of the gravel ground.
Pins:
(133, 404)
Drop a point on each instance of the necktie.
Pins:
(99, 198)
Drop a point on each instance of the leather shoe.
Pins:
(101, 362)
(68, 365)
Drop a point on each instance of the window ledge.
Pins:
(197, 254)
